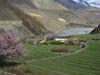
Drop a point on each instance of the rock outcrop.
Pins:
(96, 30)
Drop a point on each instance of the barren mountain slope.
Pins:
(91, 14)
(40, 4)
(50, 13)
(70, 5)
(5, 13)
(15, 20)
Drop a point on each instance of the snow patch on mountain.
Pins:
(77, 1)
(88, 3)
(95, 5)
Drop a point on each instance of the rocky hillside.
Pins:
(71, 5)
(91, 14)
(34, 17)
(40, 4)
(50, 13)
(5, 13)
(19, 22)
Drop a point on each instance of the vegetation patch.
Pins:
(59, 50)
(21, 71)
(56, 42)
(29, 41)
(86, 62)
(44, 51)
(88, 36)
(44, 43)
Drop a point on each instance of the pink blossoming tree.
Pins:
(11, 46)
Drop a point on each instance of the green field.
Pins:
(43, 51)
(86, 62)
(88, 36)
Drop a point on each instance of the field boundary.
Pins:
(69, 54)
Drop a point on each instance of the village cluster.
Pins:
(58, 40)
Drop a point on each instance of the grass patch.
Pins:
(44, 51)
(86, 62)
(88, 36)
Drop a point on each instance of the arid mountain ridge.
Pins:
(91, 14)
(29, 18)
(28, 26)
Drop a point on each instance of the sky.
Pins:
(97, 1)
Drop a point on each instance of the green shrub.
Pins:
(66, 43)
(62, 42)
(70, 35)
(38, 41)
(71, 42)
(44, 43)
(56, 42)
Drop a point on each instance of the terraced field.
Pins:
(86, 62)
(43, 51)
